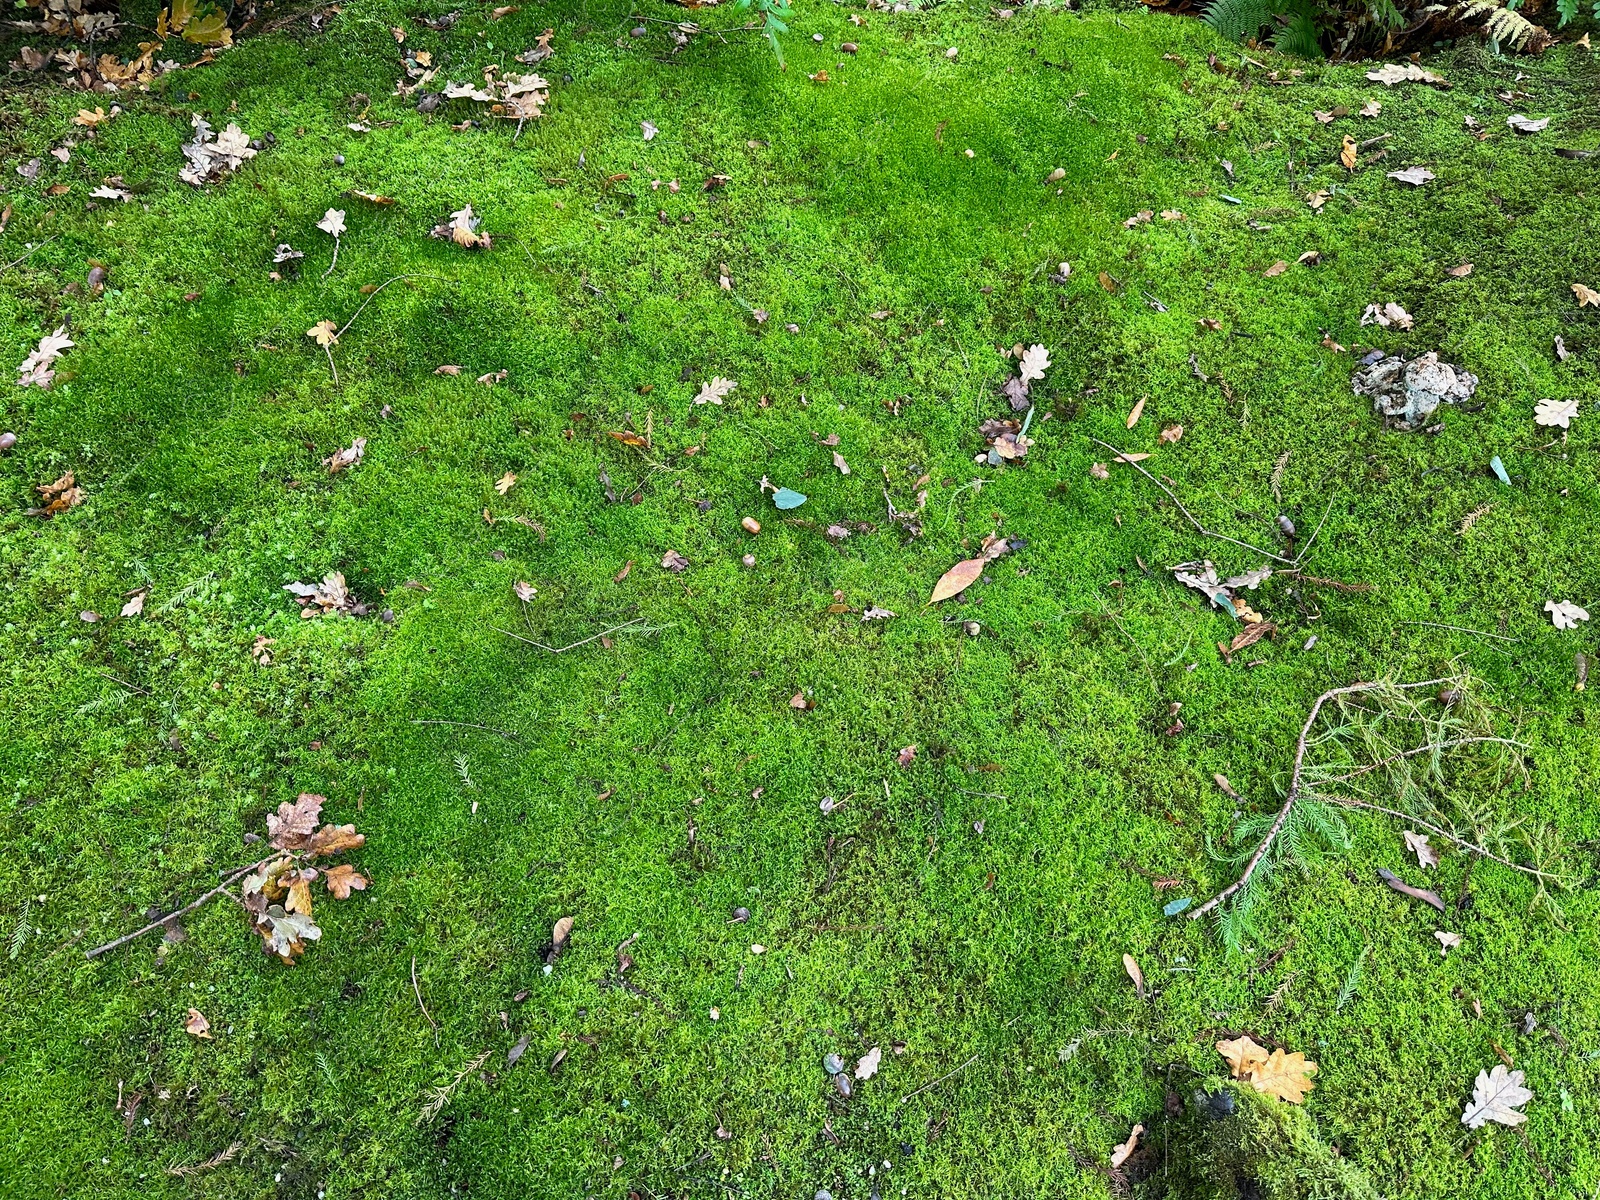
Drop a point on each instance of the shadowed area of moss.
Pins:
(967, 913)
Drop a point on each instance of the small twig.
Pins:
(925, 1087)
(505, 733)
(1306, 549)
(417, 991)
(584, 642)
(379, 288)
(1294, 785)
(1373, 141)
(216, 1160)
(1463, 629)
(1352, 802)
(29, 254)
(132, 687)
(328, 350)
(1191, 517)
(335, 261)
(187, 908)
(1336, 584)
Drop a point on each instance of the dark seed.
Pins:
(741, 915)
(1448, 696)
(842, 1082)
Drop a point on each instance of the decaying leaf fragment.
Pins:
(60, 495)
(343, 460)
(212, 155)
(327, 598)
(1564, 614)
(196, 1025)
(462, 229)
(1417, 843)
(1555, 412)
(715, 390)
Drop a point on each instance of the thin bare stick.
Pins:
(505, 733)
(1306, 549)
(574, 645)
(1191, 517)
(29, 254)
(1294, 784)
(335, 261)
(328, 350)
(1337, 585)
(132, 687)
(173, 916)
(1352, 802)
(1416, 750)
(379, 288)
(1463, 629)
(927, 1086)
(417, 991)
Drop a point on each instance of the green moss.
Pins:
(974, 906)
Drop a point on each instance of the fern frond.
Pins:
(1299, 37)
(1501, 25)
(1238, 19)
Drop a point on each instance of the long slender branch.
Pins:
(1306, 549)
(1191, 517)
(18, 262)
(572, 645)
(187, 908)
(1352, 802)
(379, 288)
(927, 1086)
(1294, 784)
(505, 733)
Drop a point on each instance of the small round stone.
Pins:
(751, 525)
(637, 31)
(749, 560)
(7, 441)
(833, 1064)
(338, 160)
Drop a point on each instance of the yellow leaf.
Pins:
(1242, 1054)
(180, 13)
(506, 482)
(209, 30)
(325, 333)
(1586, 295)
(197, 1025)
(1347, 156)
(1286, 1076)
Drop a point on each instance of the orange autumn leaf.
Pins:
(344, 879)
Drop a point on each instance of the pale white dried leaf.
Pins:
(332, 222)
(714, 390)
(1555, 412)
(1417, 843)
(1496, 1096)
(1564, 614)
(1035, 362)
(867, 1066)
(1415, 176)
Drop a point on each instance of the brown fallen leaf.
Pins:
(1460, 272)
(800, 702)
(1131, 966)
(1347, 155)
(957, 579)
(1227, 788)
(1276, 269)
(907, 755)
(1170, 434)
(675, 562)
(1250, 635)
(1586, 295)
(1125, 1150)
(1285, 1076)
(197, 1025)
(447, 369)
(1242, 1054)
(623, 574)
(838, 461)
(524, 591)
(1138, 411)
(1406, 889)
(344, 879)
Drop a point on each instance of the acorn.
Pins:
(751, 525)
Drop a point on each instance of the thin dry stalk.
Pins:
(216, 1160)
(1352, 802)
(440, 1096)
(221, 889)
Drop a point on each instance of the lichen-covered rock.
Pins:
(1405, 394)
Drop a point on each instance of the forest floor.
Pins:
(857, 241)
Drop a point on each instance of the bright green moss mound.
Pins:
(974, 906)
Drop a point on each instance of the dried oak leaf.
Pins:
(197, 1025)
(324, 333)
(135, 603)
(1035, 362)
(1242, 1054)
(285, 934)
(506, 482)
(674, 562)
(334, 839)
(1417, 843)
(1585, 295)
(462, 229)
(714, 390)
(867, 1065)
(344, 879)
(1286, 1076)
(1555, 412)
(1496, 1096)
(1564, 614)
(343, 460)
(292, 824)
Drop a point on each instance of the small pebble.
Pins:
(338, 160)
(842, 1082)
(637, 31)
(7, 441)
(749, 560)
(849, 48)
(751, 525)
(816, 37)
(833, 1064)
(1286, 525)
(740, 915)
(1310, 642)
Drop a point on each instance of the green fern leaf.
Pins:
(1238, 19)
